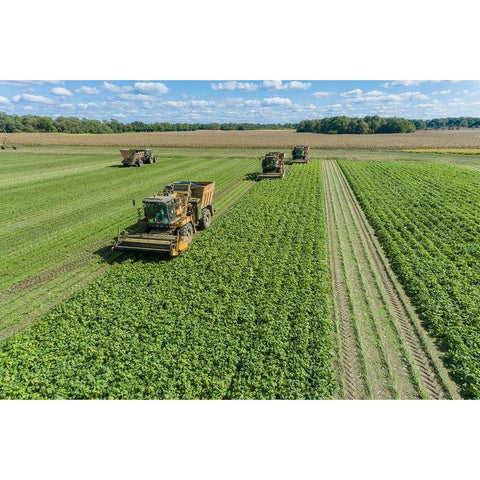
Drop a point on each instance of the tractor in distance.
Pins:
(171, 219)
(5, 143)
(273, 166)
(300, 154)
(137, 157)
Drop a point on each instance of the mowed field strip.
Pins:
(383, 351)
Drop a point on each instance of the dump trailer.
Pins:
(6, 143)
(137, 157)
(172, 217)
(273, 166)
(300, 154)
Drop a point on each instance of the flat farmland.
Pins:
(63, 206)
(271, 139)
(354, 278)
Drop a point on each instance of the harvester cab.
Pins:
(172, 217)
(300, 154)
(273, 165)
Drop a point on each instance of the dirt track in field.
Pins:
(284, 139)
(383, 352)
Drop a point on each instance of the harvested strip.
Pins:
(391, 357)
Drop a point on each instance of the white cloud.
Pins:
(116, 88)
(279, 85)
(88, 90)
(137, 97)
(67, 105)
(63, 92)
(276, 101)
(32, 98)
(441, 92)
(4, 100)
(191, 103)
(358, 96)
(201, 103)
(352, 93)
(87, 105)
(234, 85)
(403, 83)
(151, 88)
(321, 94)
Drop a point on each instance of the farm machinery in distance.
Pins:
(273, 166)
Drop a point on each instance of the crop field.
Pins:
(244, 313)
(271, 139)
(63, 206)
(355, 277)
(427, 218)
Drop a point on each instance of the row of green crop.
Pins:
(243, 313)
(427, 218)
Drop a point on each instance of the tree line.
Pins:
(329, 125)
(376, 124)
(44, 124)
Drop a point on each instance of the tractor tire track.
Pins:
(398, 358)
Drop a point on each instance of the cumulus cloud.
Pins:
(321, 94)
(358, 96)
(252, 103)
(273, 101)
(441, 92)
(4, 100)
(190, 103)
(110, 87)
(151, 88)
(234, 85)
(63, 92)
(136, 97)
(26, 97)
(403, 83)
(87, 90)
(352, 93)
(279, 85)
(87, 105)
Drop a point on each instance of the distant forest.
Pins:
(330, 125)
(376, 124)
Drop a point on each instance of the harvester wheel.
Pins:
(187, 231)
(206, 219)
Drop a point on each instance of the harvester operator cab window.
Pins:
(160, 213)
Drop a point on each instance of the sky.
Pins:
(254, 101)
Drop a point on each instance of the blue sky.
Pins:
(256, 101)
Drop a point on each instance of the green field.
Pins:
(256, 307)
(63, 206)
(427, 218)
(228, 319)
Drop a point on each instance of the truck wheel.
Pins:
(206, 219)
